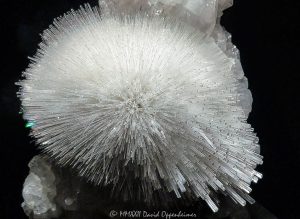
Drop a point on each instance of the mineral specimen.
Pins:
(145, 96)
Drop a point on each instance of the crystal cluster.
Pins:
(40, 190)
(145, 96)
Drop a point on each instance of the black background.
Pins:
(265, 31)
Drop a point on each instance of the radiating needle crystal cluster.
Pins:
(125, 95)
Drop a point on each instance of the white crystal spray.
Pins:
(142, 95)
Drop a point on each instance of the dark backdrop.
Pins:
(265, 31)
